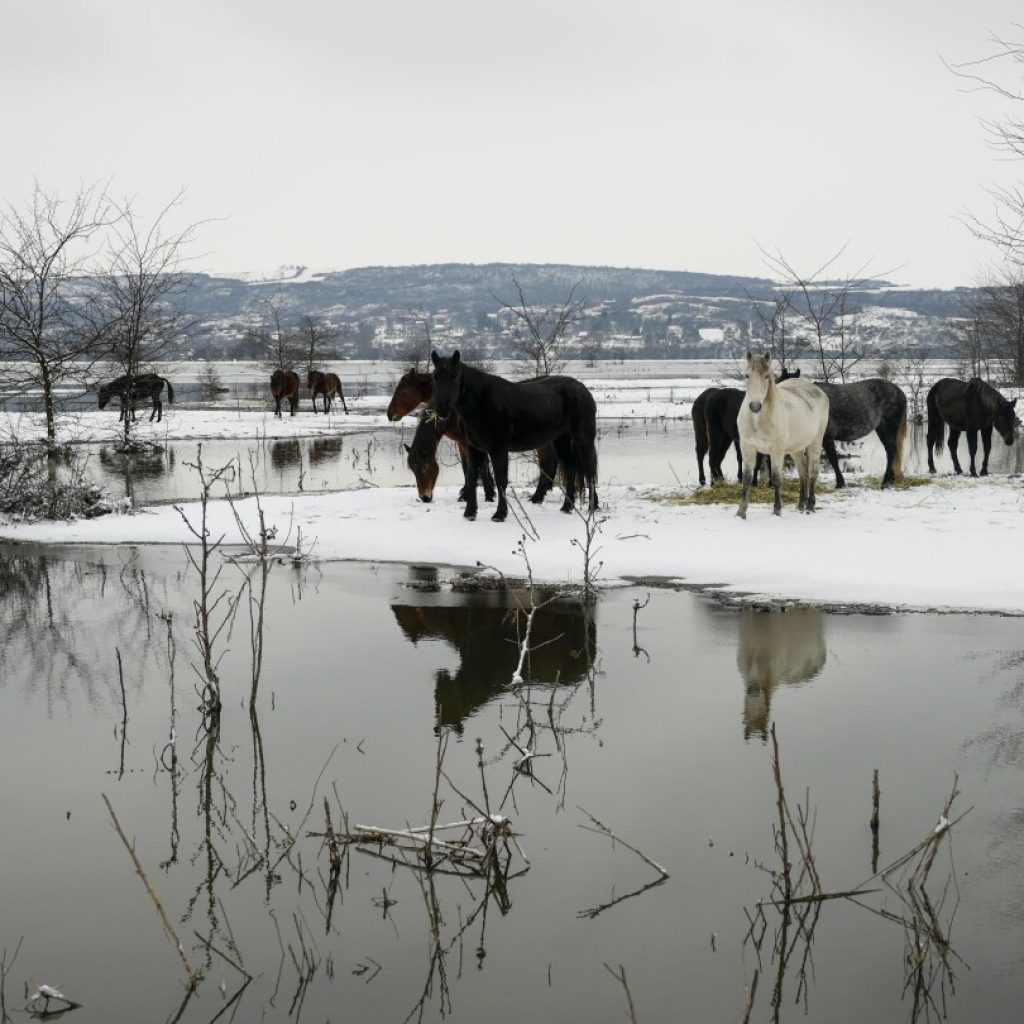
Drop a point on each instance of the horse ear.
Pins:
(456, 359)
(408, 450)
(1013, 403)
(750, 355)
(434, 357)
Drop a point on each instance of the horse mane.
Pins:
(991, 400)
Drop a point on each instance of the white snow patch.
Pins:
(949, 545)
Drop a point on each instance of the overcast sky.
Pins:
(663, 134)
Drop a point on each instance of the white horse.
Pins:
(780, 419)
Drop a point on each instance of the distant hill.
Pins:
(378, 311)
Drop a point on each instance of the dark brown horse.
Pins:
(415, 389)
(285, 384)
(328, 385)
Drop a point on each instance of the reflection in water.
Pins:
(325, 449)
(285, 453)
(778, 646)
(147, 463)
(487, 633)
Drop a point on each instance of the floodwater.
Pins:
(657, 452)
(661, 732)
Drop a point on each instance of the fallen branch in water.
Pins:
(193, 976)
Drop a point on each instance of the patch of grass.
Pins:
(727, 492)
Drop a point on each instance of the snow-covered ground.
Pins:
(951, 545)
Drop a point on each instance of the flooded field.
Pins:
(653, 717)
(656, 452)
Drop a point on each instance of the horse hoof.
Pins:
(741, 513)
(840, 484)
(535, 500)
(498, 517)
(470, 513)
(984, 472)
(777, 512)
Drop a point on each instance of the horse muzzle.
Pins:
(428, 498)
(755, 406)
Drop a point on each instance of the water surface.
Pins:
(662, 734)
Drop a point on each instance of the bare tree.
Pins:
(772, 328)
(317, 337)
(142, 291)
(1001, 72)
(994, 337)
(44, 254)
(415, 350)
(279, 343)
(825, 305)
(540, 334)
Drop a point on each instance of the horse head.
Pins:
(1005, 420)
(447, 382)
(104, 394)
(759, 380)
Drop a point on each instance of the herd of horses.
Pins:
(488, 417)
(285, 384)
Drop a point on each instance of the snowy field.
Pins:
(950, 545)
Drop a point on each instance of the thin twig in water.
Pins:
(621, 978)
(193, 977)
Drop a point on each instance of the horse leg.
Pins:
(570, 469)
(476, 456)
(739, 461)
(487, 479)
(813, 461)
(954, 438)
(749, 456)
(700, 432)
(499, 463)
(547, 462)
(344, 407)
(294, 402)
(986, 447)
(801, 470)
(833, 459)
(889, 444)
(972, 448)
(778, 461)
(158, 411)
(277, 406)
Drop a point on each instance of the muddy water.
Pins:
(662, 735)
(657, 452)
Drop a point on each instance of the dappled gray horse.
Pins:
(854, 410)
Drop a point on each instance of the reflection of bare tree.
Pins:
(777, 646)
(799, 900)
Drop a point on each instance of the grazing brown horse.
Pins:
(328, 385)
(416, 388)
(285, 384)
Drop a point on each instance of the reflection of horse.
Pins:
(145, 385)
(970, 406)
(285, 453)
(139, 465)
(328, 385)
(324, 449)
(485, 632)
(413, 390)
(781, 646)
(780, 419)
(284, 384)
(854, 410)
(499, 416)
(714, 427)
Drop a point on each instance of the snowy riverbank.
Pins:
(950, 545)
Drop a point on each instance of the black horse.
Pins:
(422, 460)
(967, 406)
(714, 428)
(498, 416)
(142, 386)
(854, 410)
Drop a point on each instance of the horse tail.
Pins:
(936, 424)
(901, 436)
(170, 391)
